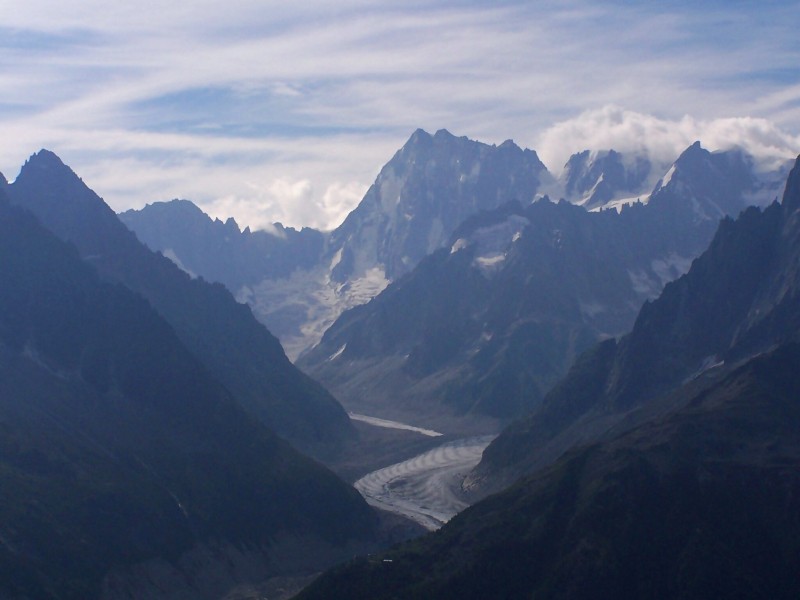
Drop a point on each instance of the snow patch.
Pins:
(621, 202)
(337, 258)
(338, 353)
(170, 254)
(592, 191)
(459, 244)
(311, 298)
(488, 264)
(667, 178)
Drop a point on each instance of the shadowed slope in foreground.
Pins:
(700, 504)
(123, 462)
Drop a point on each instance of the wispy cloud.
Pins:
(285, 112)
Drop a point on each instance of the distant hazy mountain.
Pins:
(609, 179)
(126, 469)
(596, 179)
(740, 298)
(701, 503)
(422, 194)
(223, 334)
(220, 251)
(485, 327)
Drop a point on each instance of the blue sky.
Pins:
(275, 111)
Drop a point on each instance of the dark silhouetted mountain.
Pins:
(701, 503)
(223, 334)
(488, 325)
(220, 251)
(740, 298)
(126, 469)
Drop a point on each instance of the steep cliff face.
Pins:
(423, 193)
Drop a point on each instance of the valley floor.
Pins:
(427, 487)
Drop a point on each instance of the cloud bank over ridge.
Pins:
(612, 127)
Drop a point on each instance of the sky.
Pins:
(286, 111)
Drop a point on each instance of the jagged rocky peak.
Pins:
(422, 194)
(46, 174)
(43, 157)
(43, 160)
(595, 178)
(52, 190)
(717, 184)
(46, 163)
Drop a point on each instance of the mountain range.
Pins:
(222, 333)
(299, 282)
(487, 325)
(420, 196)
(529, 285)
(647, 375)
(665, 464)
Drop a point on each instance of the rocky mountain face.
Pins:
(422, 194)
(604, 179)
(597, 179)
(699, 503)
(739, 299)
(220, 251)
(126, 468)
(235, 348)
(298, 283)
(485, 327)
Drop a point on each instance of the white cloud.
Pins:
(612, 127)
(292, 203)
